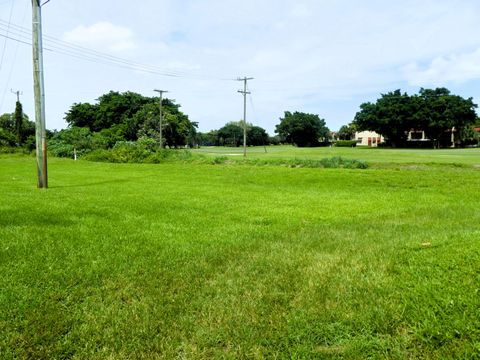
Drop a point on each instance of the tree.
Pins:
(19, 122)
(434, 111)
(231, 134)
(207, 139)
(257, 136)
(82, 115)
(129, 116)
(13, 128)
(442, 112)
(393, 116)
(302, 129)
(347, 132)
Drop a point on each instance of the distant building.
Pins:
(368, 138)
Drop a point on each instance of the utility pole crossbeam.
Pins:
(244, 92)
(18, 93)
(161, 92)
(39, 93)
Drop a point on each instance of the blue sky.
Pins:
(317, 56)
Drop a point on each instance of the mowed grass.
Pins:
(192, 261)
(375, 156)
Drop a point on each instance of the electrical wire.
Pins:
(3, 56)
(22, 35)
(5, 42)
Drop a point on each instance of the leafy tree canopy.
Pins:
(16, 127)
(347, 132)
(128, 116)
(302, 129)
(434, 111)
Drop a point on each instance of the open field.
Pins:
(380, 157)
(197, 261)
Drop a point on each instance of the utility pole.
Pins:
(244, 92)
(39, 94)
(18, 93)
(160, 92)
(18, 116)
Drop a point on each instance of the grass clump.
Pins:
(335, 162)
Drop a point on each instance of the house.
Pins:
(368, 138)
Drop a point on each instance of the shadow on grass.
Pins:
(96, 183)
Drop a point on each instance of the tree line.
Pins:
(128, 117)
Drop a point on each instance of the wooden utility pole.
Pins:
(39, 94)
(160, 92)
(244, 92)
(18, 93)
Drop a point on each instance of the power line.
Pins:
(8, 29)
(7, 83)
(53, 44)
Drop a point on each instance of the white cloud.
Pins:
(102, 35)
(456, 68)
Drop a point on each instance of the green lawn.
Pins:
(373, 155)
(196, 261)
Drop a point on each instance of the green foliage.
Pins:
(257, 136)
(16, 126)
(230, 135)
(143, 151)
(19, 122)
(7, 138)
(210, 138)
(129, 116)
(347, 132)
(301, 129)
(393, 115)
(442, 111)
(67, 141)
(345, 143)
(434, 111)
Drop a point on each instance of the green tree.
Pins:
(434, 111)
(19, 122)
(302, 129)
(9, 123)
(82, 115)
(257, 136)
(441, 111)
(128, 116)
(393, 116)
(231, 134)
(347, 132)
(208, 138)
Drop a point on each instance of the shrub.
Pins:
(138, 152)
(346, 143)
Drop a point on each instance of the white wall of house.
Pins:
(368, 138)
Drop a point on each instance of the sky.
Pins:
(325, 57)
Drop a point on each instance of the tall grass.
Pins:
(198, 261)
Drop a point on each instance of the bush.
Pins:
(345, 143)
(138, 152)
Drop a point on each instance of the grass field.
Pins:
(378, 157)
(197, 261)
